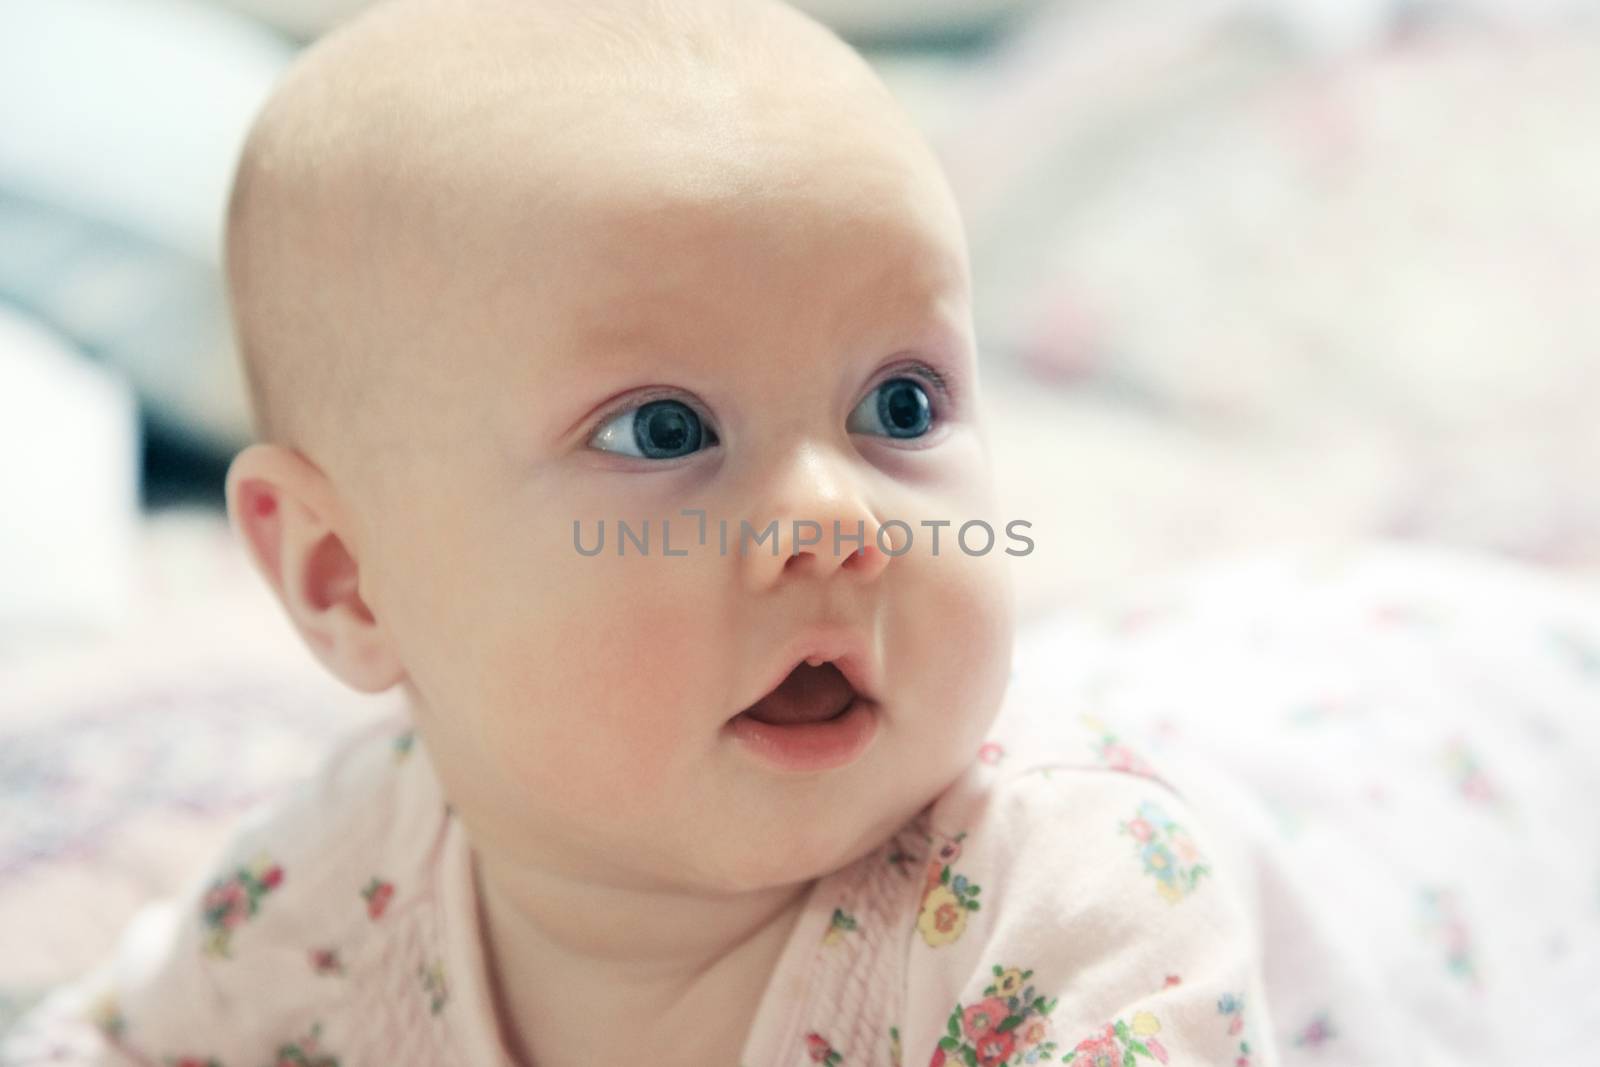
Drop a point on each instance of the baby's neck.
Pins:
(681, 975)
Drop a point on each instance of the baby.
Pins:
(507, 274)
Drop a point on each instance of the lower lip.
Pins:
(811, 746)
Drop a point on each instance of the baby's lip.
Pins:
(848, 651)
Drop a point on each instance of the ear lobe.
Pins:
(299, 539)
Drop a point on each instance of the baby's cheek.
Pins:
(959, 642)
(602, 727)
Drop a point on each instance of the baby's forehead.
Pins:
(630, 202)
(433, 163)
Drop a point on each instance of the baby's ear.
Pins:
(299, 539)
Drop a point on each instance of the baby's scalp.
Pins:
(392, 161)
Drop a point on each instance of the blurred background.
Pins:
(1248, 273)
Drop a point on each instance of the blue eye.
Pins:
(660, 429)
(897, 408)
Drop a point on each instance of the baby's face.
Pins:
(763, 300)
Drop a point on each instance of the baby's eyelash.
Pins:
(946, 389)
(920, 369)
(639, 400)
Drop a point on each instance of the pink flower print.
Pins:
(991, 752)
(1475, 786)
(1100, 1050)
(1444, 924)
(1156, 1049)
(1114, 754)
(991, 1031)
(195, 1061)
(228, 903)
(377, 894)
(326, 961)
(1183, 845)
(1120, 757)
(995, 1048)
(1231, 1005)
(1161, 842)
(950, 851)
(304, 1053)
(1469, 774)
(983, 1017)
(1315, 1034)
(820, 1051)
(1030, 1035)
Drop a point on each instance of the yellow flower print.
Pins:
(434, 986)
(841, 922)
(946, 895)
(1144, 1024)
(1009, 984)
(943, 918)
(1156, 838)
(107, 1015)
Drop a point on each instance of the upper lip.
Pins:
(847, 650)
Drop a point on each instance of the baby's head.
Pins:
(502, 267)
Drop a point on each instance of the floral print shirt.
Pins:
(1298, 811)
(1050, 906)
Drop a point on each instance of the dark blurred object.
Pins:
(175, 470)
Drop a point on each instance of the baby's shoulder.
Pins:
(329, 852)
(304, 896)
(1076, 812)
(1071, 897)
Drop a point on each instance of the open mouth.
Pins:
(806, 695)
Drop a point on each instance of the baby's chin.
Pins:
(808, 846)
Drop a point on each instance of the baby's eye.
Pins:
(899, 408)
(660, 429)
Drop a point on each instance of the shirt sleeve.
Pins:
(81, 1023)
(1081, 914)
(267, 943)
(194, 979)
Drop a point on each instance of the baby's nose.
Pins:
(820, 523)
